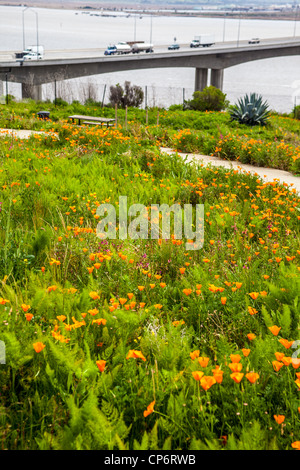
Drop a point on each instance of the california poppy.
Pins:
(207, 381)
(274, 329)
(101, 365)
(197, 374)
(252, 377)
(203, 361)
(246, 352)
(194, 354)
(277, 365)
(235, 357)
(39, 346)
(237, 376)
(235, 366)
(287, 344)
(150, 409)
(25, 307)
(133, 353)
(279, 418)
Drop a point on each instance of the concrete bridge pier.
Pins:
(32, 91)
(200, 79)
(216, 78)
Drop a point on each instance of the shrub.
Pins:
(130, 95)
(210, 99)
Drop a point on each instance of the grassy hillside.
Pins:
(145, 344)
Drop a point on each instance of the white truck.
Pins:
(141, 47)
(31, 53)
(119, 48)
(203, 41)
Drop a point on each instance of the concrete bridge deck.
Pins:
(32, 74)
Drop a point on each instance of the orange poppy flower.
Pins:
(297, 382)
(274, 329)
(122, 301)
(237, 376)
(94, 295)
(133, 353)
(254, 295)
(252, 377)
(286, 360)
(194, 354)
(101, 365)
(223, 300)
(251, 336)
(142, 304)
(252, 310)
(279, 356)
(235, 366)
(28, 316)
(141, 288)
(162, 284)
(296, 445)
(25, 307)
(187, 291)
(182, 270)
(246, 352)
(130, 295)
(287, 344)
(93, 311)
(235, 357)
(39, 346)
(207, 381)
(61, 317)
(218, 375)
(203, 361)
(279, 418)
(295, 362)
(277, 365)
(150, 409)
(197, 374)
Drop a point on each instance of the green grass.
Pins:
(99, 300)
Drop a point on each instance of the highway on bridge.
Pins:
(68, 64)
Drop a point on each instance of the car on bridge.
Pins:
(173, 47)
(254, 41)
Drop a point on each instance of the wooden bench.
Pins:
(92, 120)
(94, 123)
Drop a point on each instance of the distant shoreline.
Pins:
(163, 10)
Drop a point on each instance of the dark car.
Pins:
(254, 41)
(173, 47)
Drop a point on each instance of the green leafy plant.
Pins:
(209, 99)
(250, 110)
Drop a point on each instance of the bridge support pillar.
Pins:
(216, 78)
(32, 91)
(200, 79)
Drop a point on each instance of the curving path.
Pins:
(267, 174)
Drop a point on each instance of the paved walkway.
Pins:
(23, 133)
(267, 174)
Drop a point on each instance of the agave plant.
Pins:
(250, 110)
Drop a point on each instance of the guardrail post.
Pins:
(200, 78)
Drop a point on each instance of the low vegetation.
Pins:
(145, 344)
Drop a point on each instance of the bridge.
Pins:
(215, 58)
